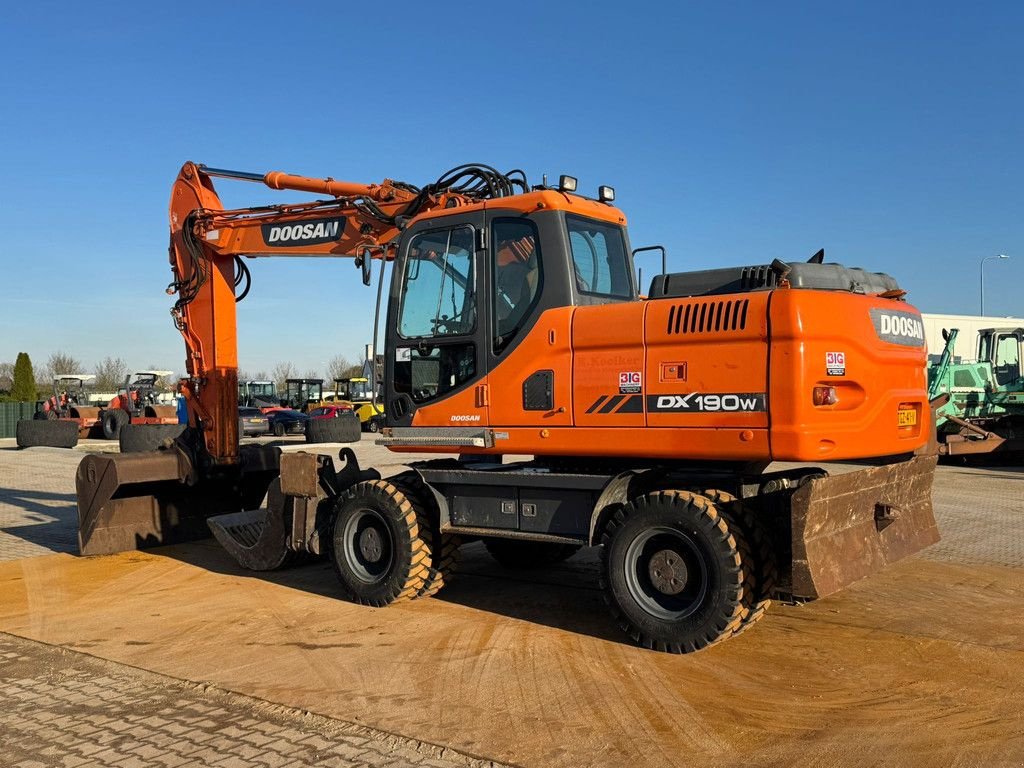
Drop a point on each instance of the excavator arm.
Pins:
(206, 250)
(131, 501)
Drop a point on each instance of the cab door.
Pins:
(437, 325)
(529, 346)
(1006, 365)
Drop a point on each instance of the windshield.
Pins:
(300, 392)
(599, 258)
(438, 285)
(261, 388)
(358, 390)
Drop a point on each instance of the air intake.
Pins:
(708, 316)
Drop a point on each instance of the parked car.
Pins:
(251, 421)
(287, 422)
(330, 411)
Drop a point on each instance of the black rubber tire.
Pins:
(373, 424)
(343, 429)
(444, 547)
(708, 605)
(378, 553)
(524, 555)
(32, 433)
(278, 429)
(111, 422)
(757, 550)
(138, 438)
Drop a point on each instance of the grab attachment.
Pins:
(298, 515)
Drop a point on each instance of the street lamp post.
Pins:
(982, 268)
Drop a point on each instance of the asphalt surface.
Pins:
(918, 665)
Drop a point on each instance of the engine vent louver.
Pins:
(708, 316)
(753, 278)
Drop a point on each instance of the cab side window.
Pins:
(1007, 367)
(516, 271)
(600, 261)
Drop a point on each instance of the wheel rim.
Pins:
(666, 574)
(369, 547)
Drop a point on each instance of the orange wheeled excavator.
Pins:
(515, 327)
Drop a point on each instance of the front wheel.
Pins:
(672, 572)
(378, 553)
(278, 430)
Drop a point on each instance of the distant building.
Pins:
(968, 325)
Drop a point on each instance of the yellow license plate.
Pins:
(906, 417)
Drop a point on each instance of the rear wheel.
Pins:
(278, 429)
(757, 551)
(378, 553)
(672, 572)
(520, 554)
(373, 425)
(111, 421)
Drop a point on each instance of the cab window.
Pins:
(1007, 367)
(438, 296)
(438, 306)
(599, 257)
(516, 271)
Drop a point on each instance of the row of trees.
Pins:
(30, 383)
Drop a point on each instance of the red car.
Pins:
(329, 411)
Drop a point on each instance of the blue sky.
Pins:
(734, 133)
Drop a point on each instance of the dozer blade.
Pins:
(846, 527)
(142, 500)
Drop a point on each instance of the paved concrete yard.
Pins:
(918, 666)
(63, 708)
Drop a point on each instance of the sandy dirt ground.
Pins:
(921, 665)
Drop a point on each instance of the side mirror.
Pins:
(365, 262)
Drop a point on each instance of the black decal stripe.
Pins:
(610, 405)
(633, 404)
(597, 402)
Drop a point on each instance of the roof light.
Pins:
(567, 183)
(605, 194)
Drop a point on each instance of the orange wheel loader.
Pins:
(514, 327)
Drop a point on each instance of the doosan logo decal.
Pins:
(903, 328)
(466, 417)
(302, 232)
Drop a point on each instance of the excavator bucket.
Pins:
(847, 526)
(143, 500)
